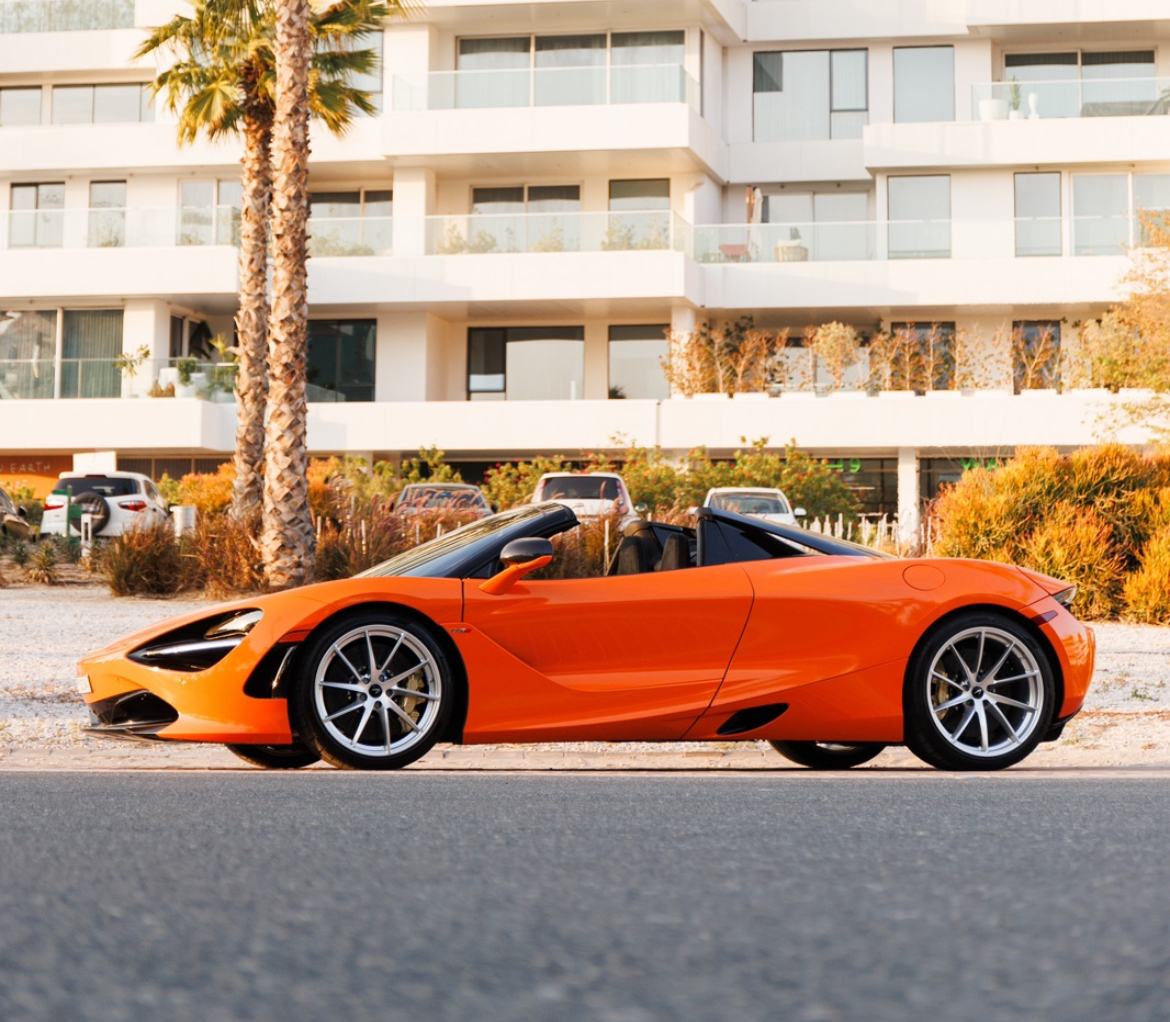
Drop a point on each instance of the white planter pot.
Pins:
(896, 395)
(184, 390)
(993, 110)
(1016, 115)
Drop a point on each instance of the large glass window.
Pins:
(92, 341)
(525, 363)
(19, 107)
(28, 346)
(924, 83)
(1100, 214)
(828, 225)
(570, 70)
(810, 94)
(520, 218)
(209, 212)
(1035, 354)
(351, 223)
(920, 217)
(1038, 214)
(37, 216)
(107, 214)
(644, 220)
(927, 357)
(647, 67)
(501, 75)
(101, 104)
(342, 355)
(1108, 83)
(636, 354)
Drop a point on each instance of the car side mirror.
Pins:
(519, 557)
(800, 512)
(495, 506)
(642, 507)
(22, 511)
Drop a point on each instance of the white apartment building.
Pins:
(552, 184)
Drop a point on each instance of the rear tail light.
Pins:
(133, 505)
(52, 503)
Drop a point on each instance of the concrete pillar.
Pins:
(596, 360)
(909, 513)
(414, 201)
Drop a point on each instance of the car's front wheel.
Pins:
(277, 757)
(375, 692)
(979, 694)
(828, 755)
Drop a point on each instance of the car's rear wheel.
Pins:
(979, 694)
(277, 757)
(375, 692)
(828, 755)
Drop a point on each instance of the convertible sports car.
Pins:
(735, 629)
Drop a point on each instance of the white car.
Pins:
(117, 500)
(589, 494)
(756, 502)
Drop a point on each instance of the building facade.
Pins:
(552, 185)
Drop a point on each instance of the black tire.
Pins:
(374, 691)
(828, 755)
(92, 504)
(277, 757)
(983, 717)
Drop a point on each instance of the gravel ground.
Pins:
(44, 631)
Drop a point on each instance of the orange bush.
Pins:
(1076, 545)
(1147, 590)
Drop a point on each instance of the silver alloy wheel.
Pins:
(986, 692)
(377, 690)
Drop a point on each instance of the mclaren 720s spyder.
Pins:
(734, 629)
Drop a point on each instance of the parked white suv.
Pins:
(589, 494)
(117, 500)
(756, 501)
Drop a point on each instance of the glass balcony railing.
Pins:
(785, 243)
(28, 379)
(1080, 97)
(480, 234)
(546, 86)
(351, 236)
(64, 15)
(119, 228)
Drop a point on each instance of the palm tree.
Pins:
(223, 83)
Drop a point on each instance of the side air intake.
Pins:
(753, 717)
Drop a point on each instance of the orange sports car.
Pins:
(735, 629)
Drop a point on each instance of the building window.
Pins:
(810, 94)
(351, 223)
(647, 67)
(639, 215)
(636, 354)
(1116, 83)
(209, 212)
(1100, 214)
(1151, 200)
(37, 216)
(924, 83)
(519, 218)
(178, 336)
(820, 226)
(107, 214)
(525, 363)
(28, 352)
(101, 104)
(920, 217)
(570, 70)
(1035, 354)
(924, 356)
(19, 107)
(1038, 215)
(342, 354)
(92, 342)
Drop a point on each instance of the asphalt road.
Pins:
(246, 895)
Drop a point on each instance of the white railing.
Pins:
(546, 86)
(630, 231)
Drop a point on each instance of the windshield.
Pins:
(751, 503)
(439, 557)
(578, 488)
(427, 498)
(98, 484)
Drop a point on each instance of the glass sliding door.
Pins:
(37, 216)
(920, 217)
(639, 215)
(553, 221)
(1053, 77)
(107, 214)
(19, 107)
(1118, 83)
(1038, 215)
(92, 342)
(28, 348)
(342, 359)
(499, 73)
(545, 364)
(647, 67)
(924, 83)
(636, 354)
(1100, 214)
(570, 70)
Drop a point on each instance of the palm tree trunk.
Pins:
(287, 535)
(252, 318)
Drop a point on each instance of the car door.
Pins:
(622, 657)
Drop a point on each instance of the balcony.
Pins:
(24, 16)
(95, 378)
(1077, 98)
(483, 234)
(436, 119)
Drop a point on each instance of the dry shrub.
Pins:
(143, 562)
(1147, 590)
(1076, 545)
(42, 564)
(210, 493)
(223, 556)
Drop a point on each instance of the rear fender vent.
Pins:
(750, 719)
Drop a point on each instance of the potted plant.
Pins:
(1014, 96)
(993, 108)
(186, 369)
(129, 362)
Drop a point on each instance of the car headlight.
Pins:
(1066, 596)
(199, 646)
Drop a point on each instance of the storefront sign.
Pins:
(40, 471)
